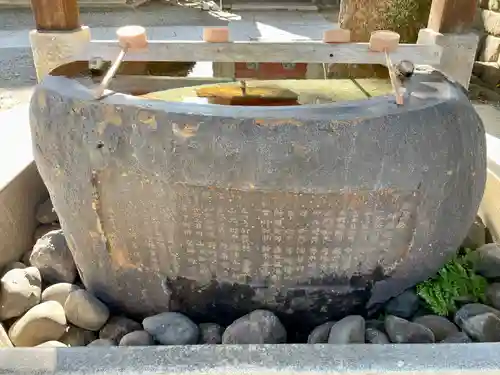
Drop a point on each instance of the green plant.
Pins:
(407, 17)
(455, 282)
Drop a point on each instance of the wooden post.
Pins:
(56, 15)
(452, 16)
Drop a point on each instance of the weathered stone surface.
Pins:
(45, 213)
(4, 338)
(401, 331)
(210, 333)
(489, 72)
(76, 336)
(491, 22)
(473, 309)
(488, 262)
(457, 338)
(43, 322)
(494, 5)
(58, 292)
(52, 344)
(117, 327)
(374, 336)
(404, 305)
(102, 342)
(171, 328)
(258, 327)
(476, 236)
(320, 334)
(350, 330)
(137, 338)
(490, 52)
(493, 295)
(41, 231)
(440, 326)
(20, 291)
(53, 258)
(144, 290)
(85, 311)
(483, 327)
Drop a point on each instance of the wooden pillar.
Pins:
(452, 16)
(56, 15)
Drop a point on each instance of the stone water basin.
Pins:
(312, 211)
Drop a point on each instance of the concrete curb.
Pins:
(456, 359)
(21, 188)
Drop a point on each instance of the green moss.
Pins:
(407, 17)
(455, 282)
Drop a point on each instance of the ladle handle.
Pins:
(110, 73)
(394, 80)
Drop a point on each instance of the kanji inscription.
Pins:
(284, 237)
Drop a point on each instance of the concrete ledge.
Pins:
(456, 359)
(21, 188)
(490, 205)
(459, 53)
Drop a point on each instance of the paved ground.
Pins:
(17, 74)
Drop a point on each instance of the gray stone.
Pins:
(374, 336)
(58, 292)
(117, 327)
(490, 52)
(320, 334)
(52, 344)
(473, 309)
(401, 331)
(42, 323)
(45, 213)
(350, 330)
(171, 328)
(483, 327)
(476, 236)
(493, 295)
(457, 338)
(488, 260)
(404, 305)
(41, 231)
(440, 326)
(102, 342)
(20, 291)
(4, 338)
(137, 338)
(210, 333)
(53, 258)
(13, 266)
(85, 311)
(76, 336)
(258, 327)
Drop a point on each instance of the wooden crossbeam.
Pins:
(264, 51)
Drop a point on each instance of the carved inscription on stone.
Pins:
(284, 237)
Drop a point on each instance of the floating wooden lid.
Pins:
(132, 37)
(233, 94)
